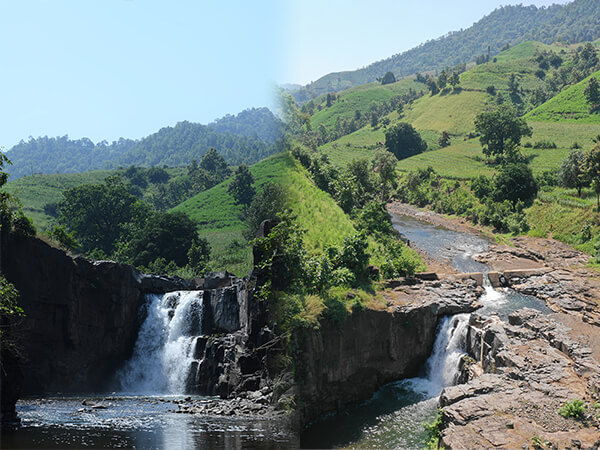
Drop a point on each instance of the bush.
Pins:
(575, 408)
(544, 145)
(515, 182)
(23, 225)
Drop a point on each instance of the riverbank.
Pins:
(521, 371)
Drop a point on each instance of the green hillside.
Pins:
(360, 99)
(455, 111)
(36, 191)
(246, 138)
(219, 218)
(574, 22)
(568, 106)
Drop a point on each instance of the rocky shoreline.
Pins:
(520, 373)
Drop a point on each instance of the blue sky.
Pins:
(335, 35)
(109, 68)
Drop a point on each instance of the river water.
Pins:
(395, 416)
(139, 418)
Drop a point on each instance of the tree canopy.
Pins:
(100, 213)
(241, 188)
(501, 130)
(403, 141)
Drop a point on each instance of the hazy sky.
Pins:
(110, 68)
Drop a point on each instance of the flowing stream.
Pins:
(395, 416)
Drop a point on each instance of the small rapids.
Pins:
(164, 349)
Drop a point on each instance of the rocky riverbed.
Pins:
(520, 372)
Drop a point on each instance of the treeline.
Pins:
(232, 136)
(124, 217)
(575, 22)
(260, 123)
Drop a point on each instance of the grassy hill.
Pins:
(219, 218)
(568, 106)
(574, 22)
(39, 190)
(359, 98)
(36, 191)
(455, 113)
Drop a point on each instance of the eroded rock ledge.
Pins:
(524, 371)
(347, 362)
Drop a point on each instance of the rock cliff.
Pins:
(347, 362)
(82, 316)
(519, 376)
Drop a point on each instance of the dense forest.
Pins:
(243, 139)
(578, 21)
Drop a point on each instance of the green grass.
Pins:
(360, 98)
(219, 218)
(454, 113)
(36, 191)
(570, 105)
(324, 221)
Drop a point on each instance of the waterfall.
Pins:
(164, 350)
(442, 367)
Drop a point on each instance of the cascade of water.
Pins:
(442, 367)
(164, 349)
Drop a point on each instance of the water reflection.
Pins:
(136, 422)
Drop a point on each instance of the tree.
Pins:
(388, 78)
(432, 86)
(513, 85)
(266, 205)
(501, 130)
(403, 141)
(215, 164)
(442, 80)
(100, 214)
(515, 182)
(167, 235)
(199, 255)
(241, 188)
(592, 167)
(572, 172)
(385, 164)
(157, 175)
(444, 140)
(454, 79)
(592, 91)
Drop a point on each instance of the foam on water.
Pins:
(165, 346)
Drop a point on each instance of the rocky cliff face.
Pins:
(524, 371)
(346, 363)
(82, 317)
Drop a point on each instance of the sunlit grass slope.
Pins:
(568, 106)
(219, 218)
(359, 98)
(36, 191)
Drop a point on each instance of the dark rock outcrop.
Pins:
(82, 316)
(347, 362)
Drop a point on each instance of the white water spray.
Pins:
(442, 367)
(164, 349)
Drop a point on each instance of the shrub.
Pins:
(575, 408)
(544, 145)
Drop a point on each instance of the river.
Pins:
(393, 417)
